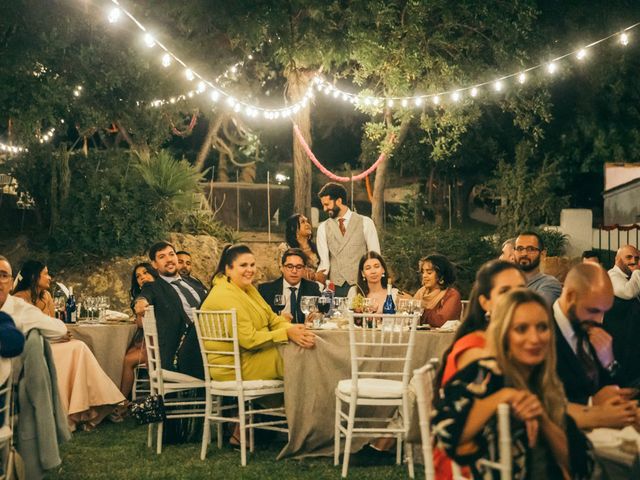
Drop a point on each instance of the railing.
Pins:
(609, 238)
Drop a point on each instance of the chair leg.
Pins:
(243, 433)
(159, 438)
(150, 435)
(398, 449)
(347, 443)
(251, 431)
(408, 448)
(219, 414)
(336, 434)
(206, 427)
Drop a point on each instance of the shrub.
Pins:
(404, 245)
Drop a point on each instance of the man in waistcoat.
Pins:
(343, 238)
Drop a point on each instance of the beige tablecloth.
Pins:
(108, 343)
(311, 377)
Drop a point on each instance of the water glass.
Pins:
(308, 305)
(404, 305)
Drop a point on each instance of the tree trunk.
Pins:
(377, 202)
(205, 148)
(297, 84)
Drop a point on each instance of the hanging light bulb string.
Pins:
(326, 171)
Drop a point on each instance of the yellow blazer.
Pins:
(259, 331)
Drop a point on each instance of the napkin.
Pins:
(112, 315)
(329, 326)
(450, 326)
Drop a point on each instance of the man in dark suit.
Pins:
(172, 297)
(185, 268)
(585, 362)
(290, 285)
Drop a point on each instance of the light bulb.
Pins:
(114, 15)
(336, 93)
(201, 87)
(390, 103)
(231, 101)
(552, 67)
(624, 39)
(522, 78)
(498, 86)
(455, 96)
(189, 74)
(215, 95)
(474, 92)
(149, 41)
(418, 101)
(404, 102)
(581, 54)
(368, 101)
(436, 100)
(166, 60)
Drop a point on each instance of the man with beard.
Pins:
(585, 360)
(343, 238)
(529, 248)
(185, 267)
(622, 321)
(173, 297)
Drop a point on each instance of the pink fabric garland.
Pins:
(333, 176)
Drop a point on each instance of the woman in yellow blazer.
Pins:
(259, 329)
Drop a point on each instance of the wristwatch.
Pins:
(612, 368)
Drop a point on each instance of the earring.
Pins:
(363, 277)
(383, 275)
(440, 282)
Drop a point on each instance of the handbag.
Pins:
(148, 410)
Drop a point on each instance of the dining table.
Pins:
(108, 342)
(310, 380)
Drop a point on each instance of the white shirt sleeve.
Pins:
(323, 248)
(623, 288)
(370, 235)
(27, 317)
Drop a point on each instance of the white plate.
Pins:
(605, 437)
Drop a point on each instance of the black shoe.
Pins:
(370, 457)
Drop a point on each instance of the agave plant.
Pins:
(175, 182)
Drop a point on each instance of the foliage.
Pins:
(555, 242)
(202, 222)
(528, 196)
(405, 244)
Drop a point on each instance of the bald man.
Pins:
(625, 275)
(586, 364)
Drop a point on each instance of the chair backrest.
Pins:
(154, 365)
(218, 338)
(423, 379)
(505, 461)
(382, 345)
(5, 401)
(465, 305)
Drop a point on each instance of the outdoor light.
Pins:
(581, 54)
(455, 96)
(436, 100)
(189, 74)
(474, 92)
(345, 97)
(404, 102)
(390, 103)
(237, 107)
(552, 67)
(522, 78)
(281, 178)
(149, 41)
(624, 39)
(418, 101)
(497, 85)
(215, 95)
(231, 102)
(114, 15)
(201, 87)
(368, 101)
(166, 60)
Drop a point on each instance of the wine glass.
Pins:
(324, 305)
(404, 306)
(280, 302)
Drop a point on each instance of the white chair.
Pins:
(505, 461)
(167, 383)
(423, 381)
(216, 328)
(6, 430)
(379, 377)
(463, 310)
(141, 387)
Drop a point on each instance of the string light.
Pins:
(189, 74)
(552, 67)
(522, 78)
(624, 39)
(114, 15)
(11, 149)
(498, 86)
(149, 41)
(582, 53)
(166, 60)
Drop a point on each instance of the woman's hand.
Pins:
(299, 335)
(528, 408)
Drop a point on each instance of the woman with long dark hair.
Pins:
(440, 300)
(373, 279)
(298, 233)
(32, 285)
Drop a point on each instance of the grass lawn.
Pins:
(119, 451)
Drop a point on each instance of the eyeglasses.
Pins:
(290, 266)
(5, 277)
(527, 249)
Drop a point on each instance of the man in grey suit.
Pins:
(343, 238)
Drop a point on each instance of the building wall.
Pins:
(622, 206)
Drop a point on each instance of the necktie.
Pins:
(343, 230)
(294, 304)
(586, 359)
(191, 300)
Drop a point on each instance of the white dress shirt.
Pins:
(287, 295)
(370, 235)
(565, 327)
(27, 317)
(623, 287)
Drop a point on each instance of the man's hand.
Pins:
(612, 393)
(321, 277)
(140, 306)
(299, 335)
(603, 344)
(617, 414)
